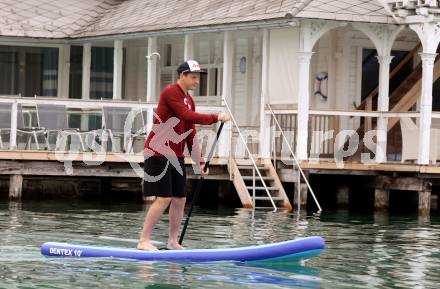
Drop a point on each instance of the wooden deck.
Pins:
(110, 164)
(361, 168)
(29, 155)
(48, 166)
(40, 163)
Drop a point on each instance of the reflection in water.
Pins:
(245, 274)
(367, 251)
(229, 275)
(299, 275)
(419, 262)
(381, 218)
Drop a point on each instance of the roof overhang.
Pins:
(263, 24)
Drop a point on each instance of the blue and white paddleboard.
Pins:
(287, 251)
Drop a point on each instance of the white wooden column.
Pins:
(189, 47)
(384, 79)
(332, 69)
(343, 66)
(63, 71)
(118, 59)
(141, 79)
(383, 105)
(310, 32)
(13, 134)
(87, 60)
(426, 107)
(248, 74)
(383, 37)
(304, 58)
(429, 35)
(228, 59)
(150, 119)
(264, 99)
(152, 70)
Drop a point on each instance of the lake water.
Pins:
(363, 251)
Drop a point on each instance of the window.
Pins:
(28, 71)
(101, 73)
(75, 75)
(172, 57)
(209, 53)
(8, 71)
(203, 87)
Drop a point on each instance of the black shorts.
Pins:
(162, 179)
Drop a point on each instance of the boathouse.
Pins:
(347, 89)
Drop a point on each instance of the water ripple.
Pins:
(362, 251)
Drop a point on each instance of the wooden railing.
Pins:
(288, 123)
(322, 145)
(319, 126)
(251, 134)
(323, 124)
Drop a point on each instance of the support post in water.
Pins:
(15, 187)
(342, 197)
(303, 197)
(381, 199)
(424, 203)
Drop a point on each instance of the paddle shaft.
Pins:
(199, 185)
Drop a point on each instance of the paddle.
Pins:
(199, 184)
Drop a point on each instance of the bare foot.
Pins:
(146, 245)
(174, 246)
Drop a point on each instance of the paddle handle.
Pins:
(199, 184)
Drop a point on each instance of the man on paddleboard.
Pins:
(173, 128)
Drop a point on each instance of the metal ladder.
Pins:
(237, 178)
(250, 188)
(296, 162)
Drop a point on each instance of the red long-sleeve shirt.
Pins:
(169, 135)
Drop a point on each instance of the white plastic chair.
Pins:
(113, 124)
(410, 141)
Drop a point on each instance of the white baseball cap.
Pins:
(190, 66)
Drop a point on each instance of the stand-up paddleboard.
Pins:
(287, 251)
